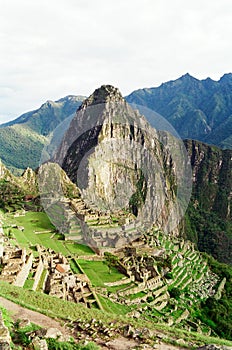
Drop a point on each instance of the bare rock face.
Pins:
(4, 172)
(40, 344)
(210, 210)
(120, 162)
(29, 179)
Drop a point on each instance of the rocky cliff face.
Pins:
(120, 162)
(209, 212)
(212, 177)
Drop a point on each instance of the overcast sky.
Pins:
(53, 48)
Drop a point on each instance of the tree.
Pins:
(110, 260)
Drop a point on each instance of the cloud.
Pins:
(53, 48)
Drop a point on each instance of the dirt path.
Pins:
(19, 312)
(119, 343)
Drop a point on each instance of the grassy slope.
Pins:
(98, 272)
(61, 309)
(20, 147)
(39, 222)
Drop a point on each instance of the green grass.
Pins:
(74, 267)
(137, 295)
(115, 289)
(39, 222)
(113, 307)
(98, 272)
(41, 281)
(58, 308)
(6, 317)
(78, 249)
(44, 303)
(29, 282)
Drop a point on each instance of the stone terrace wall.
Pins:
(38, 274)
(24, 272)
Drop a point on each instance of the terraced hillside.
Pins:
(162, 279)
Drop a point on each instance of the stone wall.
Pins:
(220, 289)
(134, 290)
(162, 297)
(159, 291)
(119, 283)
(153, 283)
(161, 306)
(38, 274)
(5, 338)
(24, 272)
(183, 316)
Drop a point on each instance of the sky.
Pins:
(53, 48)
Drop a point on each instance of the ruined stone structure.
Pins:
(5, 338)
(58, 281)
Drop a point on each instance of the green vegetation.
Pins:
(11, 195)
(138, 198)
(210, 232)
(218, 313)
(22, 140)
(208, 217)
(48, 305)
(192, 106)
(6, 317)
(113, 307)
(78, 249)
(58, 308)
(38, 229)
(29, 282)
(110, 260)
(20, 335)
(54, 344)
(98, 272)
(41, 281)
(20, 147)
(74, 266)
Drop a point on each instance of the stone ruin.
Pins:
(5, 338)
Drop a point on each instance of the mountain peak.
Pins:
(187, 76)
(226, 78)
(106, 93)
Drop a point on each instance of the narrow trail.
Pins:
(119, 343)
(19, 312)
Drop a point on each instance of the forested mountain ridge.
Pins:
(197, 109)
(22, 140)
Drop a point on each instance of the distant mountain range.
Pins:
(197, 109)
(23, 139)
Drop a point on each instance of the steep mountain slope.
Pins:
(14, 189)
(111, 151)
(22, 140)
(209, 213)
(197, 109)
